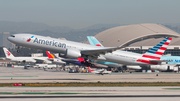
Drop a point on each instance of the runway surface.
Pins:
(89, 93)
(11, 75)
(94, 99)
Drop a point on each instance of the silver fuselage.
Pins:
(61, 46)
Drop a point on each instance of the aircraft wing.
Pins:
(69, 60)
(100, 65)
(102, 71)
(40, 59)
(97, 52)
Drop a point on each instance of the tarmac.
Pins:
(90, 93)
(21, 75)
(32, 75)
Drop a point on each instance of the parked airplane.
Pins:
(76, 50)
(175, 60)
(54, 59)
(79, 61)
(173, 65)
(101, 71)
(11, 57)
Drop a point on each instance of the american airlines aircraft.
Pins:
(76, 49)
(11, 57)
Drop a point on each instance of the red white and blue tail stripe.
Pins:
(157, 51)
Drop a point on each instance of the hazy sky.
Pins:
(84, 13)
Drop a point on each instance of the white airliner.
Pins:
(76, 49)
(10, 56)
(79, 61)
(101, 71)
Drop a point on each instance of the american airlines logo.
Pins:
(28, 40)
(50, 43)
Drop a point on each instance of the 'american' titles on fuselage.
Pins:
(49, 43)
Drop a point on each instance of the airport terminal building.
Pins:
(140, 37)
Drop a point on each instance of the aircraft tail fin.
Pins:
(90, 70)
(157, 51)
(7, 53)
(50, 55)
(93, 41)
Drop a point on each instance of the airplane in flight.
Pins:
(64, 61)
(76, 49)
(174, 60)
(11, 57)
(101, 71)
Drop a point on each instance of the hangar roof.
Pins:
(136, 35)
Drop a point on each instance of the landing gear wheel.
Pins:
(17, 48)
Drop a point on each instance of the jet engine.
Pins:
(134, 67)
(24, 61)
(73, 53)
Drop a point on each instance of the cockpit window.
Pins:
(12, 36)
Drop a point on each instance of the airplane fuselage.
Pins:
(21, 59)
(61, 46)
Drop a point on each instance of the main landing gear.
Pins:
(87, 63)
(18, 48)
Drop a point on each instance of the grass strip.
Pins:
(93, 84)
(172, 88)
(59, 93)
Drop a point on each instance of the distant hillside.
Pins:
(78, 36)
(19, 27)
(53, 31)
(60, 31)
(174, 28)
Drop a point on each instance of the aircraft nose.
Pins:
(10, 38)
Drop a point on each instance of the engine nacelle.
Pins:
(134, 67)
(73, 53)
(160, 67)
(24, 61)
